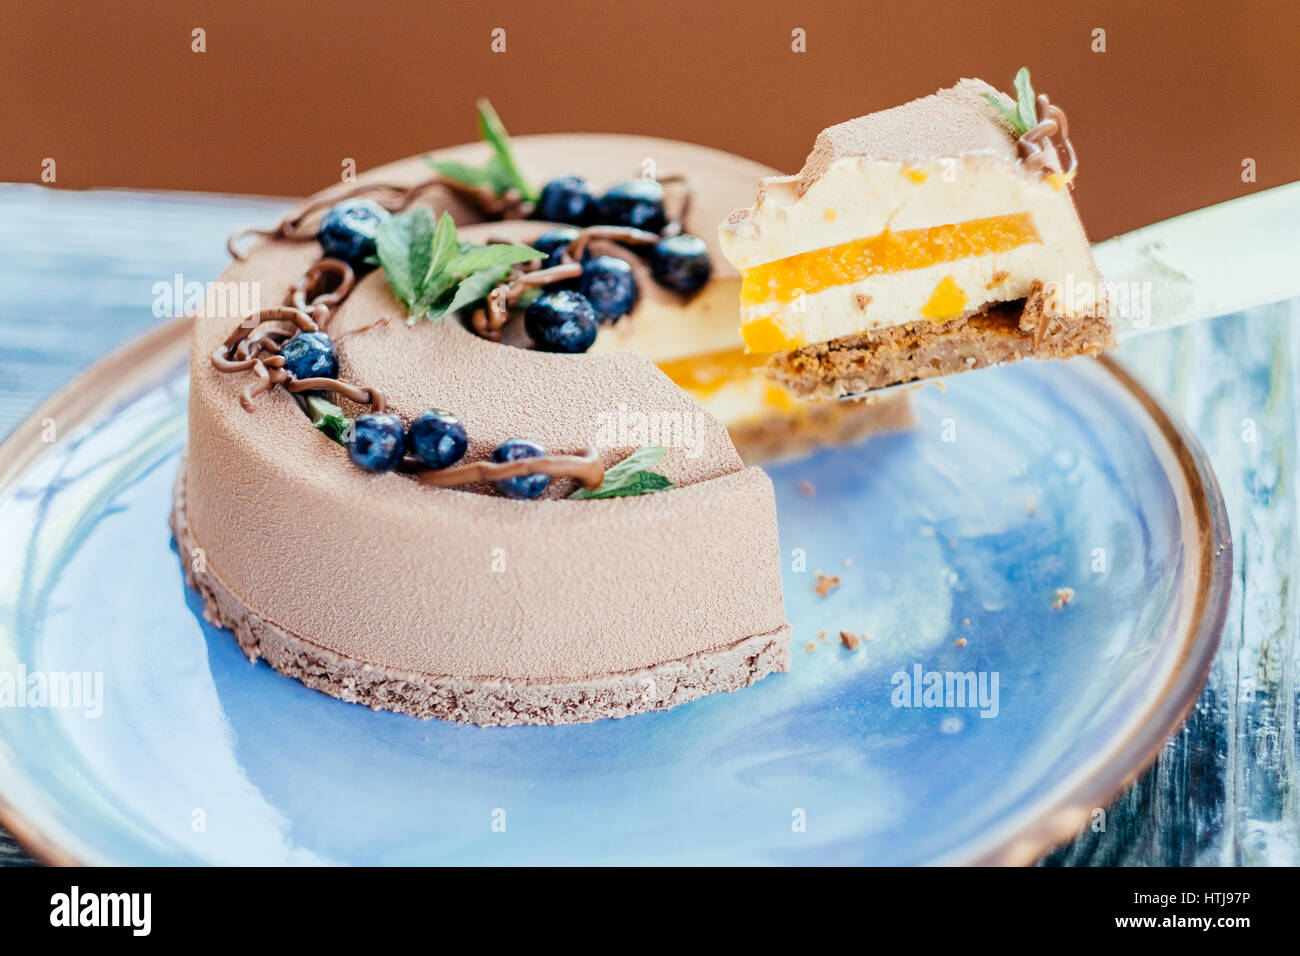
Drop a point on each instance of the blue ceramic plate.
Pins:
(1015, 482)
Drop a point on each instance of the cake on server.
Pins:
(920, 241)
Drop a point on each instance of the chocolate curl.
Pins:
(261, 332)
(302, 322)
(326, 283)
(624, 235)
(1052, 131)
(314, 295)
(587, 468)
(489, 321)
(266, 378)
(361, 394)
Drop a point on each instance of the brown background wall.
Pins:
(1162, 120)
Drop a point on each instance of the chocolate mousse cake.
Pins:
(459, 469)
(928, 239)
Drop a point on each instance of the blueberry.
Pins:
(681, 263)
(638, 203)
(310, 355)
(565, 199)
(348, 231)
(523, 486)
(378, 441)
(610, 286)
(561, 321)
(553, 242)
(437, 438)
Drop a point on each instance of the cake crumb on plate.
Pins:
(826, 583)
(849, 640)
(1063, 597)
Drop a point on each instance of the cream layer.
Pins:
(858, 198)
(936, 293)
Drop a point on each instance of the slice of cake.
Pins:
(933, 238)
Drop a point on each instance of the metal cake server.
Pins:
(1210, 262)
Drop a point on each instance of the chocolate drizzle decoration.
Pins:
(292, 228)
(488, 322)
(256, 342)
(1052, 131)
(587, 468)
(255, 346)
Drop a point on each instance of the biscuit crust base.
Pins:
(475, 700)
(1006, 332)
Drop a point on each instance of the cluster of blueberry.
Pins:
(435, 439)
(567, 316)
(564, 318)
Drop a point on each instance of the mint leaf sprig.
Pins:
(329, 418)
(1025, 116)
(631, 476)
(432, 272)
(501, 173)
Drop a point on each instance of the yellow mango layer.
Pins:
(785, 279)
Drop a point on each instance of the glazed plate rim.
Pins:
(1056, 816)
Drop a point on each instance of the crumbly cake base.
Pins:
(482, 701)
(1007, 332)
(780, 437)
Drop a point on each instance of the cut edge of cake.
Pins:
(916, 242)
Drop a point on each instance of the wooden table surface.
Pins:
(77, 272)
